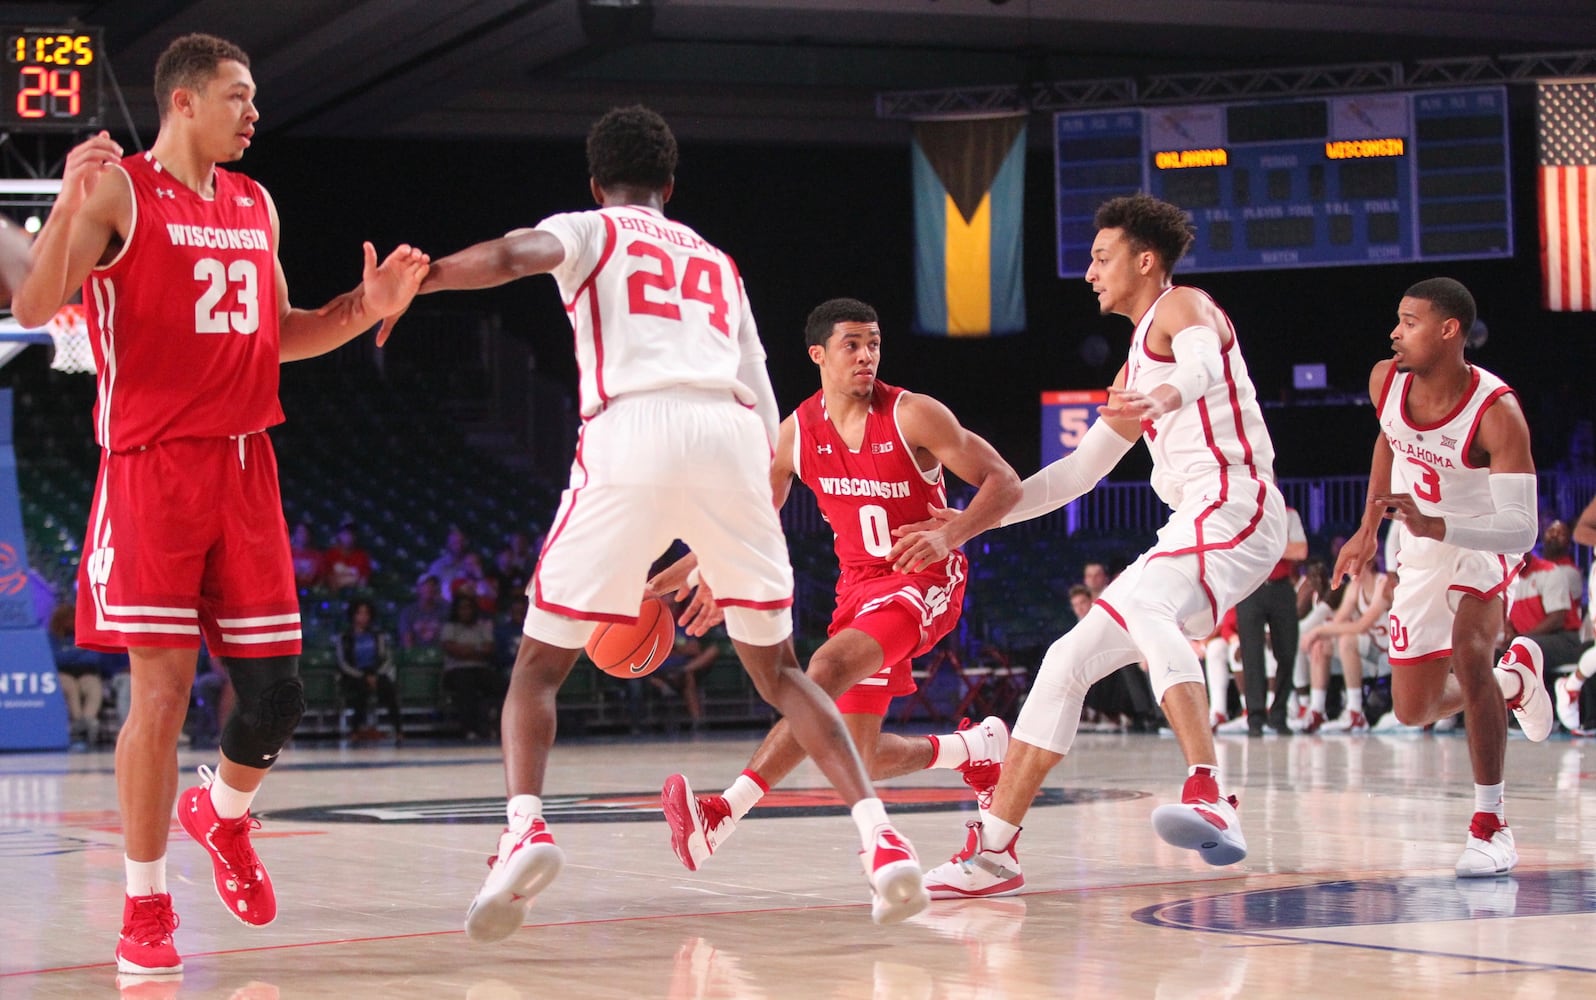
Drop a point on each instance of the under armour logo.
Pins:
(824, 449)
(1447, 442)
(165, 193)
(244, 201)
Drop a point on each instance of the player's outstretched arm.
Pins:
(928, 424)
(86, 217)
(519, 253)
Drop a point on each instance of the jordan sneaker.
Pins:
(976, 872)
(1308, 721)
(1489, 851)
(699, 823)
(241, 880)
(145, 947)
(1565, 699)
(527, 861)
(1203, 822)
(987, 742)
(896, 886)
(1532, 705)
(1349, 721)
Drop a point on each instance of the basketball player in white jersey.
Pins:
(1452, 465)
(1356, 635)
(679, 420)
(1185, 390)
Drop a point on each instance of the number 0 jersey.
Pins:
(653, 304)
(184, 319)
(865, 494)
(1430, 461)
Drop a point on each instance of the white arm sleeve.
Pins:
(1509, 531)
(1100, 450)
(1197, 364)
(752, 373)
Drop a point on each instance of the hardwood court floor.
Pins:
(1347, 891)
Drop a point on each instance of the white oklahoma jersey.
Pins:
(653, 304)
(1430, 462)
(1213, 463)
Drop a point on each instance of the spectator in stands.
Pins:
(348, 565)
(1081, 599)
(310, 563)
(421, 623)
(1094, 577)
(1357, 636)
(507, 632)
(507, 577)
(682, 672)
(1273, 604)
(450, 561)
(1539, 608)
(366, 668)
(469, 676)
(1555, 549)
(78, 671)
(479, 584)
(520, 552)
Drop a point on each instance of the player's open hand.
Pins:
(1132, 405)
(1354, 555)
(87, 162)
(923, 544)
(939, 517)
(1402, 507)
(388, 288)
(699, 612)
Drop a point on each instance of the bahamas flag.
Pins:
(969, 199)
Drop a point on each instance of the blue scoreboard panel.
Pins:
(1307, 182)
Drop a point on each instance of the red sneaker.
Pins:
(527, 862)
(987, 743)
(241, 880)
(145, 947)
(698, 823)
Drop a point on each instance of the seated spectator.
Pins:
(421, 623)
(81, 684)
(520, 553)
(1540, 607)
(1357, 637)
(472, 580)
(348, 566)
(451, 560)
(681, 673)
(469, 676)
(366, 668)
(310, 563)
(509, 579)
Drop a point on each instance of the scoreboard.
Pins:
(1306, 182)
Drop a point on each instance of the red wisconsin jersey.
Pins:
(865, 494)
(184, 319)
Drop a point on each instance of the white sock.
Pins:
(1355, 699)
(1586, 668)
(951, 751)
(743, 795)
(1316, 700)
(521, 810)
(869, 815)
(1488, 799)
(229, 802)
(996, 834)
(145, 878)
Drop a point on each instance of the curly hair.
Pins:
(1449, 298)
(631, 147)
(825, 316)
(1149, 224)
(189, 62)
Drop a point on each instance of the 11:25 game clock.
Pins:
(50, 78)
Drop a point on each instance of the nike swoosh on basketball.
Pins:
(638, 668)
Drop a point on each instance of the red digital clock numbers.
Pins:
(50, 79)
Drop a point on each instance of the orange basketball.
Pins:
(623, 650)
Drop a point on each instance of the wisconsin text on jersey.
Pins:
(843, 486)
(670, 234)
(217, 237)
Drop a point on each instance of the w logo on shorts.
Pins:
(99, 569)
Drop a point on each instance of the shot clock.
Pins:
(1305, 182)
(50, 78)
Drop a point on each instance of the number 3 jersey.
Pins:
(184, 318)
(865, 494)
(653, 305)
(1430, 461)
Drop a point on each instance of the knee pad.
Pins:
(268, 703)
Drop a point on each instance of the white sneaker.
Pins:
(1489, 851)
(1307, 722)
(1204, 822)
(1236, 726)
(527, 861)
(976, 872)
(1565, 699)
(699, 823)
(1350, 721)
(1532, 706)
(987, 744)
(896, 885)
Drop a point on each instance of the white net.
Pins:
(70, 331)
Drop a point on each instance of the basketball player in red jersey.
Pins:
(189, 315)
(873, 454)
(679, 419)
(1452, 465)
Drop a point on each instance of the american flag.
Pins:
(1565, 115)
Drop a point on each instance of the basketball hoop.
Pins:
(70, 332)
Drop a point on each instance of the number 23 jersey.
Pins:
(652, 303)
(1431, 461)
(183, 319)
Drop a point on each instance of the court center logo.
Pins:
(643, 807)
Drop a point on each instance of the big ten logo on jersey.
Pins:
(655, 288)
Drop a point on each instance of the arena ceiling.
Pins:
(754, 70)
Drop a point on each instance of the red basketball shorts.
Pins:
(186, 538)
(907, 615)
